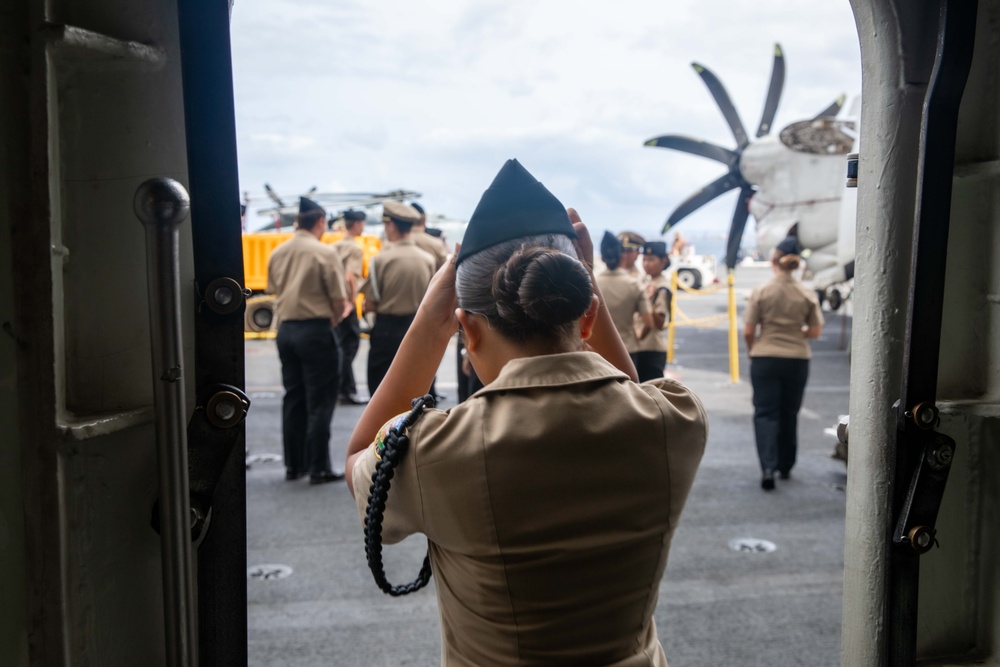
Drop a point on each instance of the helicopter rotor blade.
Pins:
(716, 188)
(696, 147)
(773, 92)
(740, 215)
(273, 195)
(832, 110)
(725, 104)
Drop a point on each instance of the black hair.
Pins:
(526, 290)
(308, 219)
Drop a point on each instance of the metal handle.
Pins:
(161, 204)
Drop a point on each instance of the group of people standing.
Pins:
(639, 301)
(319, 330)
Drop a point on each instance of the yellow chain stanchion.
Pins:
(673, 318)
(679, 319)
(734, 347)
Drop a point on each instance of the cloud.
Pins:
(377, 96)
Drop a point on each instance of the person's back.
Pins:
(549, 525)
(781, 307)
(625, 299)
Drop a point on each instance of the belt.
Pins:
(314, 320)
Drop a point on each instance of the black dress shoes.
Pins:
(327, 476)
(292, 475)
(767, 481)
(352, 399)
(784, 474)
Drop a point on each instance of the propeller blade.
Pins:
(696, 147)
(773, 92)
(740, 215)
(725, 104)
(718, 187)
(832, 110)
(273, 195)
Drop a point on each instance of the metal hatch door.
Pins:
(97, 98)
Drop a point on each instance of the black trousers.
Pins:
(778, 386)
(310, 371)
(349, 335)
(384, 341)
(649, 365)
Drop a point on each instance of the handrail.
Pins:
(161, 204)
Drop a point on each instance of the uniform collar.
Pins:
(784, 277)
(407, 241)
(305, 233)
(553, 370)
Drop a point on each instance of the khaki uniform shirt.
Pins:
(624, 297)
(549, 499)
(306, 275)
(351, 255)
(431, 244)
(781, 307)
(398, 277)
(657, 290)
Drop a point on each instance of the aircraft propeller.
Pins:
(733, 179)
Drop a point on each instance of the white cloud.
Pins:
(435, 96)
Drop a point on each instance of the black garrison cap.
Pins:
(306, 205)
(658, 248)
(420, 209)
(351, 214)
(611, 245)
(515, 205)
(789, 246)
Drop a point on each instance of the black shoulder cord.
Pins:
(396, 444)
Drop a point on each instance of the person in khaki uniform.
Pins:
(549, 498)
(631, 248)
(651, 352)
(626, 299)
(781, 316)
(349, 329)
(425, 241)
(397, 279)
(312, 296)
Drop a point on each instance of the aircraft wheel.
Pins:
(835, 299)
(690, 278)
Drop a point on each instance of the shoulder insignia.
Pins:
(380, 437)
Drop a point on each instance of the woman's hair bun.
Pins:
(541, 288)
(789, 262)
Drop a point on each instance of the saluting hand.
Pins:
(439, 302)
(583, 244)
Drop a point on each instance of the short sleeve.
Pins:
(815, 316)
(751, 315)
(335, 282)
(661, 304)
(403, 508)
(643, 304)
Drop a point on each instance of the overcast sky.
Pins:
(434, 96)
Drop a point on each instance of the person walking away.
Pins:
(631, 247)
(626, 299)
(781, 317)
(312, 296)
(549, 499)
(651, 352)
(397, 279)
(349, 329)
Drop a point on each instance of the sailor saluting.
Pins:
(549, 497)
